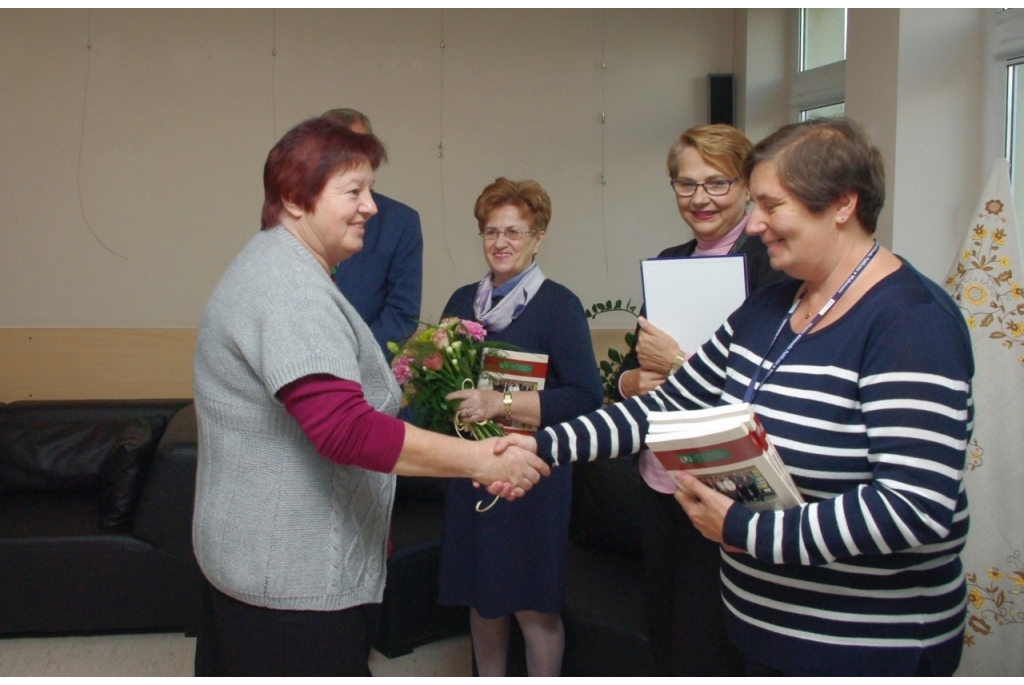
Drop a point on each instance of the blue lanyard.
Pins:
(754, 387)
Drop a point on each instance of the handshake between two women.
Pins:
(518, 459)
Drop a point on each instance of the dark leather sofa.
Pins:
(62, 570)
(84, 548)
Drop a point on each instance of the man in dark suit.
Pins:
(384, 280)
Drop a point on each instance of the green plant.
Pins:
(609, 368)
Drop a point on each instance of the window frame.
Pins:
(1007, 51)
(818, 87)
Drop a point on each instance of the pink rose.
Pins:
(473, 330)
(440, 338)
(400, 367)
(433, 361)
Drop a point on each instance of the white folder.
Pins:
(690, 297)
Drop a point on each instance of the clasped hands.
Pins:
(524, 469)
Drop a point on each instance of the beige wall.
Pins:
(133, 143)
(131, 172)
(131, 169)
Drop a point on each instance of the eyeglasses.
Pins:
(513, 235)
(715, 188)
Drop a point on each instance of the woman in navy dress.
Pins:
(512, 558)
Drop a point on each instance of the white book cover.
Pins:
(690, 297)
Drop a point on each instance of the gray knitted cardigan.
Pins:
(277, 525)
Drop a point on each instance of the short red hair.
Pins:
(299, 166)
(528, 196)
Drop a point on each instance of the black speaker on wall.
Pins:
(720, 97)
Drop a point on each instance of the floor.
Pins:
(171, 654)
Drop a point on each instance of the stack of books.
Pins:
(727, 449)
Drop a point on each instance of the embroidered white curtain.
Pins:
(987, 282)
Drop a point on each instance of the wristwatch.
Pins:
(676, 364)
(507, 401)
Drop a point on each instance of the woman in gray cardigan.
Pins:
(298, 444)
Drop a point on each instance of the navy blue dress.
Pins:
(513, 557)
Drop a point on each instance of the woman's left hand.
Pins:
(478, 405)
(705, 507)
(655, 349)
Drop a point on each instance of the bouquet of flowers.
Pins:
(437, 361)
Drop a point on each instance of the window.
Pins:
(827, 112)
(819, 86)
(1009, 53)
(822, 37)
(1015, 131)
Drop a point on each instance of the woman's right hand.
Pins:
(706, 508)
(639, 382)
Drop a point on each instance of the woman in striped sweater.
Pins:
(861, 372)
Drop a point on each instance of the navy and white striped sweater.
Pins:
(872, 416)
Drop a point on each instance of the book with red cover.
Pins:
(729, 450)
(514, 371)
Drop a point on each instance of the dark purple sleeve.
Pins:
(342, 426)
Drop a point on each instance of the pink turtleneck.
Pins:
(721, 246)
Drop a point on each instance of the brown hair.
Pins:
(819, 160)
(721, 146)
(527, 195)
(347, 116)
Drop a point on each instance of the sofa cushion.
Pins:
(606, 506)
(61, 518)
(48, 456)
(420, 489)
(124, 471)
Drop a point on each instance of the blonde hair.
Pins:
(723, 147)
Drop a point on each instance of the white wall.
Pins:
(131, 170)
(940, 164)
(872, 92)
(154, 139)
(917, 78)
(765, 52)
